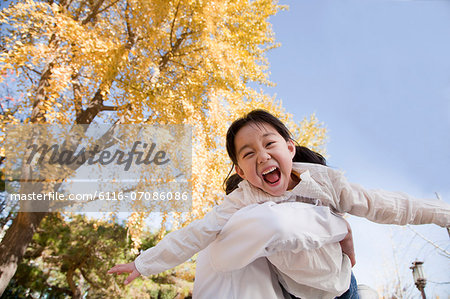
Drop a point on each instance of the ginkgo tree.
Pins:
(187, 62)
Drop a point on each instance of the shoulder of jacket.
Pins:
(318, 171)
(312, 167)
(237, 195)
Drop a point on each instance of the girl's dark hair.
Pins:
(258, 116)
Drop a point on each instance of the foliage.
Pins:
(72, 255)
(147, 62)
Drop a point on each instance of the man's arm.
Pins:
(347, 245)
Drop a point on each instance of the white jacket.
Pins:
(236, 262)
(318, 184)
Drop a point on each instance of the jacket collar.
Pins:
(259, 196)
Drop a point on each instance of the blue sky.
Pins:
(377, 74)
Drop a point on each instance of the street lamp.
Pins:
(419, 277)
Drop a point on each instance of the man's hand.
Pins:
(126, 268)
(347, 245)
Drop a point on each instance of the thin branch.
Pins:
(446, 253)
(444, 282)
(112, 108)
(93, 13)
(77, 94)
(192, 68)
(78, 11)
(131, 36)
(69, 3)
(189, 52)
(174, 48)
(108, 6)
(28, 76)
(173, 24)
(88, 279)
(33, 70)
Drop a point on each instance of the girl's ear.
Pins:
(291, 147)
(239, 171)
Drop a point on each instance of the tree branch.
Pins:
(114, 108)
(37, 115)
(173, 24)
(89, 280)
(28, 76)
(33, 70)
(76, 293)
(131, 40)
(108, 6)
(93, 13)
(445, 252)
(165, 58)
(77, 94)
(87, 116)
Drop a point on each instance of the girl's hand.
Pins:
(126, 268)
(347, 245)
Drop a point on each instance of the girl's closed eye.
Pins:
(247, 154)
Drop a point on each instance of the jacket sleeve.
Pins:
(178, 246)
(385, 206)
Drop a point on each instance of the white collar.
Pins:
(257, 195)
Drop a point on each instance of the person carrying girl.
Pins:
(309, 262)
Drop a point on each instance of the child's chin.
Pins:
(273, 193)
(275, 190)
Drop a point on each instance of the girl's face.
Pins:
(264, 158)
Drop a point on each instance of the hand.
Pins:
(126, 268)
(347, 245)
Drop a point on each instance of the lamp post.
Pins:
(419, 277)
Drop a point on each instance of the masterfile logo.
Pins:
(50, 167)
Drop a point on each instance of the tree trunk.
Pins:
(14, 244)
(76, 293)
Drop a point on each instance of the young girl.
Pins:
(307, 265)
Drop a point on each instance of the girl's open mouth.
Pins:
(272, 175)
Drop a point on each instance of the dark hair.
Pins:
(258, 116)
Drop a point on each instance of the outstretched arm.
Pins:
(387, 207)
(178, 246)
